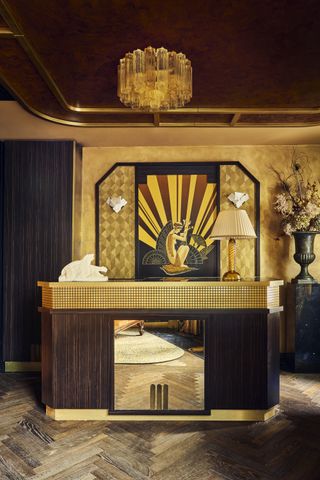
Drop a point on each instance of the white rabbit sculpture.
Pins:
(83, 271)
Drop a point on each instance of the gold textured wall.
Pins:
(116, 230)
(276, 250)
(234, 179)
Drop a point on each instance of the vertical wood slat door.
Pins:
(242, 360)
(77, 359)
(37, 241)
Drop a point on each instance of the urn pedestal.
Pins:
(303, 328)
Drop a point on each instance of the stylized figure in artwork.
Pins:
(174, 254)
(83, 271)
(177, 256)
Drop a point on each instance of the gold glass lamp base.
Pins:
(231, 276)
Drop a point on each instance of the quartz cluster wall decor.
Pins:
(116, 203)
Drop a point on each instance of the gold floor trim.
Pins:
(243, 415)
(65, 414)
(15, 367)
(77, 414)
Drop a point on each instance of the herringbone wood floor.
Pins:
(32, 446)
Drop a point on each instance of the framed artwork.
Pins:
(176, 209)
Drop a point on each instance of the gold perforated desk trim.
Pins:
(160, 295)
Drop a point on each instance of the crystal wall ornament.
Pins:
(238, 198)
(116, 203)
(154, 79)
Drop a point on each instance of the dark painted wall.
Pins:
(37, 240)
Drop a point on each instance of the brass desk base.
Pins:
(63, 414)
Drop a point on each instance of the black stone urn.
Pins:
(304, 243)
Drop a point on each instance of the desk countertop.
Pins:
(167, 281)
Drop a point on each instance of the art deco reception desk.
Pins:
(241, 340)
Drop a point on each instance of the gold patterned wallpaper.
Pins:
(276, 250)
(233, 179)
(116, 230)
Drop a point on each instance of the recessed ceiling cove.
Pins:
(254, 63)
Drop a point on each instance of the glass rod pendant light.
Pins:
(154, 79)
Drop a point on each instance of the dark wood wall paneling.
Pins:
(1, 251)
(37, 238)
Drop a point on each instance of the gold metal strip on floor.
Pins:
(215, 415)
(15, 367)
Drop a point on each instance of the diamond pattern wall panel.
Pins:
(233, 179)
(117, 230)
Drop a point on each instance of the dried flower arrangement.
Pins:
(299, 200)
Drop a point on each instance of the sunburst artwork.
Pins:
(175, 218)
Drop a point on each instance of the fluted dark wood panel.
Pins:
(1, 251)
(78, 351)
(273, 365)
(242, 358)
(46, 358)
(37, 233)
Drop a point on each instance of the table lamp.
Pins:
(232, 224)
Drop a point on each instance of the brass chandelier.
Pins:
(154, 79)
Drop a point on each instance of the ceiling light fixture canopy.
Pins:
(154, 79)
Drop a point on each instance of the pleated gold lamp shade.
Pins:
(232, 224)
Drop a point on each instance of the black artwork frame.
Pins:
(184, 167)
